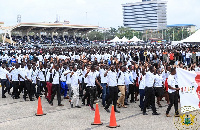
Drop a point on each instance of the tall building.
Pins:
(145, 15)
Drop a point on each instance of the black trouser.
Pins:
(43, 86)
(15, 88)
(56, 89)
(112, 96)
(29, 90)
(173, 98)
(82, 86)
(149, 99)
(22, 86)
(86, 96)
(132, 89)
(9, 85)
(3, 85)
(92, 91)
(34, 89)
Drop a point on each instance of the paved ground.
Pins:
(20, 115)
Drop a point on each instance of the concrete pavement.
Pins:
(20, 115)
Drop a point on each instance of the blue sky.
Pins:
(105, 13)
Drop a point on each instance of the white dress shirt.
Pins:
(29, 74)
(149, 79)
(3, 74)
(142, 83)
(121, 78)
(103, 79)
(91, 78)
(56, 78)
(158, 81)
(171, 82)
(74, 80)
(14, 74)
(112, 78)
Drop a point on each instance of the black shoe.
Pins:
(107, 110)
(17, 97)
(117, 111)
(87, 104)
(77, 106)
(148, 107)
(126, 104)
(71, 105)
(32, 100)
(51, 103)
(145, 113)
(3, 96)
(83, 104)
(24, 98)
(60, 105)
(155, 113)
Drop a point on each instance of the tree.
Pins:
(95, 35)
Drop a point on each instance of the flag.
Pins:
(189, 84)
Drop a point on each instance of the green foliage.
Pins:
(179, 34)
(129, 33)
(95, 35)
(111, 33)
(1, 40)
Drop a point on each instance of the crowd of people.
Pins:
(45, 39)
(118, 75)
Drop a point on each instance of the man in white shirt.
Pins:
(112, 83)
(142, 89)
(128, 82)
(91, 78)
(105, 91)
(28, 81)
(15, 81)
(22, 74)
(173, 95)
(68, 81)
(149, 91)
(121, 87)
(42, 82)
(56, 86)
(63, 82)
(34, 76)
(75, 83)
(4, 77)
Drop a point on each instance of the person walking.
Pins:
(75, 83)
(149, 91)
(173, 95)
(112, 83)
(56, 86)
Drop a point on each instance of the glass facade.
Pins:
(146, 15)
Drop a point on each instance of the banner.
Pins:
(189, 84)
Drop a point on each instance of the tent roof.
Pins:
(116, 39)
(124, 39)
(193, 38)
(135, 39)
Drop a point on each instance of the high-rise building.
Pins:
(145, 15)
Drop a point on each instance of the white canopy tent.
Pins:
(116, 39)
(135, 39)
(194, 38)
(124, 39)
